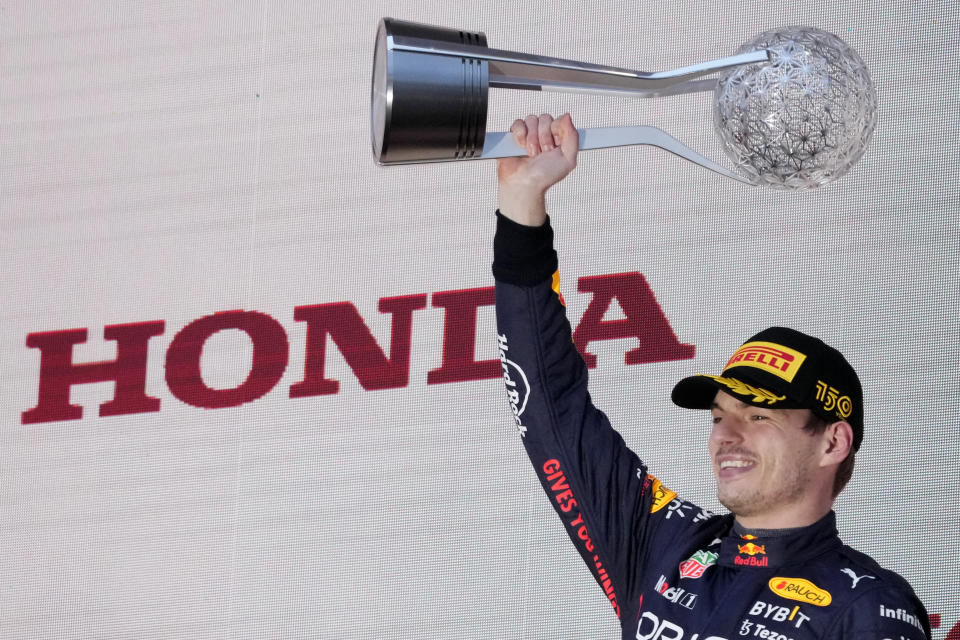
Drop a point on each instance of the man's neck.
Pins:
(746, 526)
(743, 531)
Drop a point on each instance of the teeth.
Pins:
(734, 463)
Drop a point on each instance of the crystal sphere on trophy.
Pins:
(794, 108)
(804, 118)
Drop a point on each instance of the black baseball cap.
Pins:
(782, 368)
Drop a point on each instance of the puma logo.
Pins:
(856, 579)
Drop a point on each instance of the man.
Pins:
(787, 419)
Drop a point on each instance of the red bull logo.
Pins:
(752, 549)
(740, 561)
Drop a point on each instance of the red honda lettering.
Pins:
(270, 350)
(954, 633)
(644, 320)
(460, 337)
(356, 343)
(58, 372)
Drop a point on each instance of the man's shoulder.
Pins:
(875, 599)
(861, 570)
(843, 578)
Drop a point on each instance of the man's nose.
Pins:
(726, 430)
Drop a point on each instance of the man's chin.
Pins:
(739, 505)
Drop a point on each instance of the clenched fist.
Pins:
(552, 147)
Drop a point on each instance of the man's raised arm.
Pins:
(597, 486)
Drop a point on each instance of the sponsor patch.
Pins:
(515, 380)
(777, 359)
(694, 566)
(555, 285)
(661, 495)
(740, 561)
(902, 615)
(650, 627)
(758, 630)
(801, 590)
(676, 595)
(752, 549)
(777, 613)
(855, 578)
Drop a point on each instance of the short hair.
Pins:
(815, 426)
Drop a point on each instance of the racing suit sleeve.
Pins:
(891, 611)
(598, 487)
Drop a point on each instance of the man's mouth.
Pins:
(725, 464)
(732, 467)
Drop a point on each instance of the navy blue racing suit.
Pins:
(671, 570)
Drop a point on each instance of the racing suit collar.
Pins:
(773, 549)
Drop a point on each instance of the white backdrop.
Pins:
(171, 161)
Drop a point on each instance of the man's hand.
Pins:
(552, 147)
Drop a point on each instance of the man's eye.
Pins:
(758, 416)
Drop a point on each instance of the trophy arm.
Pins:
(500, 144)
(515, 70)
(681, 88)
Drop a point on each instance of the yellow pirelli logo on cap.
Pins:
(777, 359)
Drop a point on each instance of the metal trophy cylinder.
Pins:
(430, 87)
(425, 107)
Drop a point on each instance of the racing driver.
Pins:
(787, 419)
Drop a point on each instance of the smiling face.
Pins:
(769, 470)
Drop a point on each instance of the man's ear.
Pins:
(837, 443)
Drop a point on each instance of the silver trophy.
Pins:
(795, 108)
